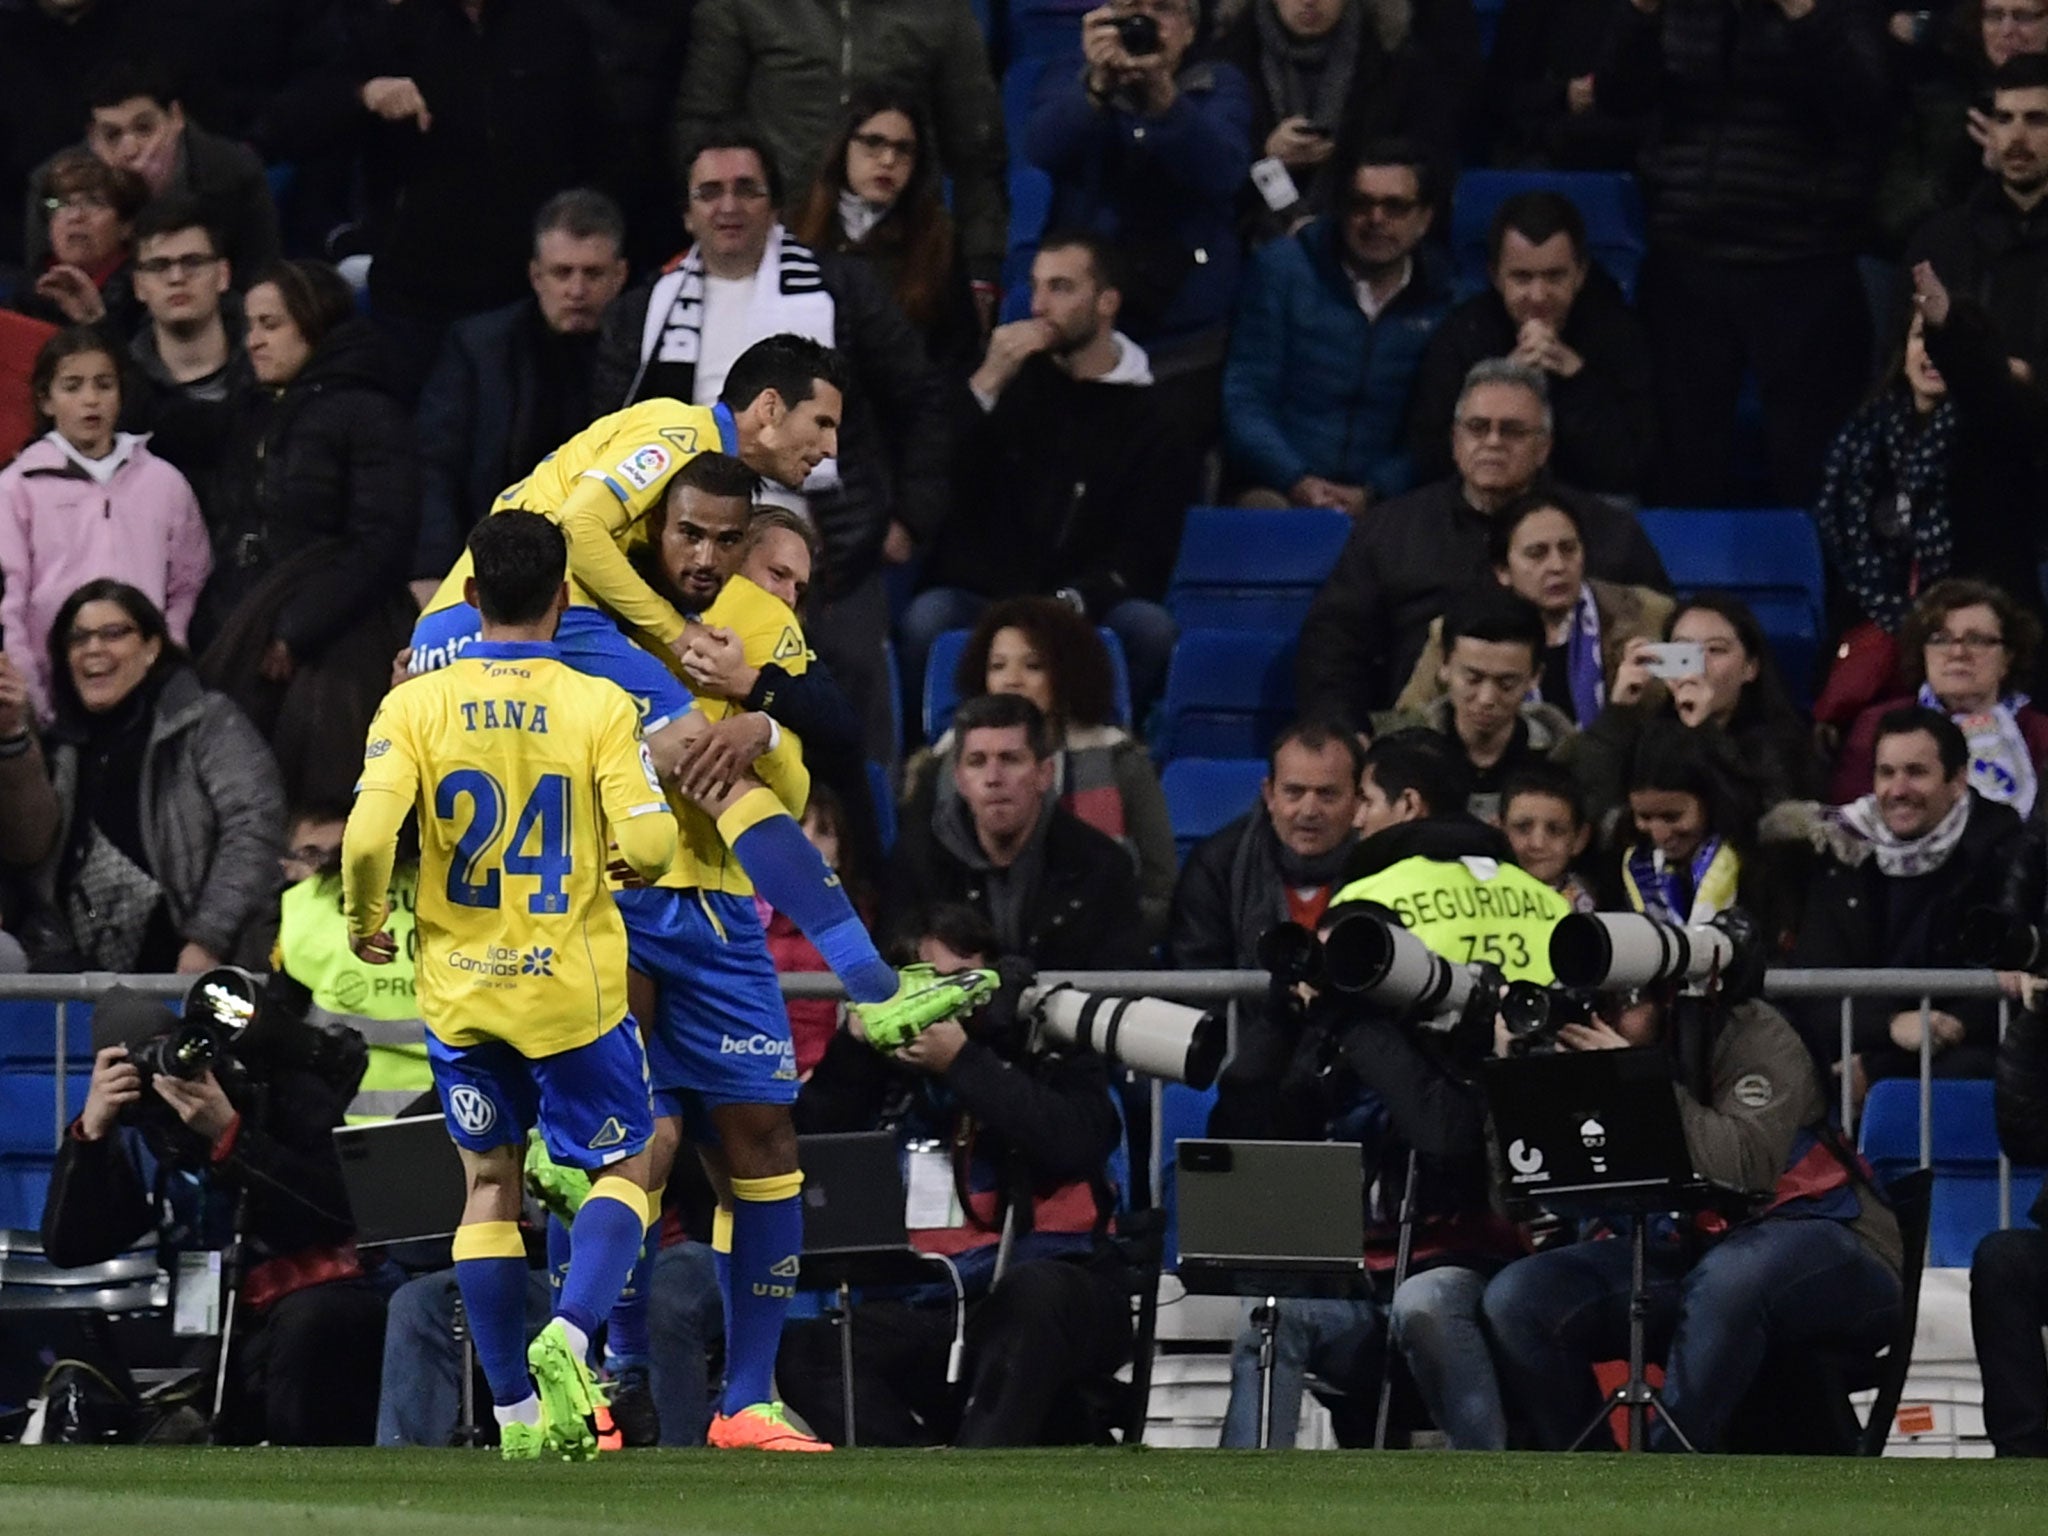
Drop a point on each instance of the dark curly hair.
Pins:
(1083, 683)
(2020, 630)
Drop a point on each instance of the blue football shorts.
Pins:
(588, 640)
(591, 1103)
(720, 1033)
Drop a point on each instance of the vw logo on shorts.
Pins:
(473, 1110)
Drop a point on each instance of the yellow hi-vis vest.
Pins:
(1470, 909)
(376, 1001)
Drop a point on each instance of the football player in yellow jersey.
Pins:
(522, 771)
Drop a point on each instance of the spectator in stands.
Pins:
(1325, 73)
(1057, 892)
(1943, 146)
(1538, 552)
(788, 67)
(1551, 309)
(1690, 846)
(514, 382)
(1490, 708)
(1331, 328)
(1993, 248)
(466, 118)
(1149, 149)
(1923, 484)
(138, 124)
(168, 811)
(745, 278)
(1543, 110)
(1047, 1291)
(1768, 133)
(1279, 862)
(86, 501)
(1901, 868)
(1737, 689)
(1040, 649)
(191, 357)
(84, 277)
(1966, 648)
(2009, 1272)
(1543, 817)
(879, 195)
(315, 507)
(1403, 564)
(1074, 476)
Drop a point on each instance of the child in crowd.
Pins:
(1544, 816)
(85, 502)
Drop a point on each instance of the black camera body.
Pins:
(1533, 1014)
(1138, 35)
(188, 1050)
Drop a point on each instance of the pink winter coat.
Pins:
(59, 529)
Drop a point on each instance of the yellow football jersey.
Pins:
(598, 486)
(767, 631)
(523, 771)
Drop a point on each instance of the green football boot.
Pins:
(569, 1394)
(923, 997)
(560, 1190)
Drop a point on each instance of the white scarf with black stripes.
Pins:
(789, 296)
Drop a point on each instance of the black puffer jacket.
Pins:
(330, 456)
(2021, 1097)
(1769, 134)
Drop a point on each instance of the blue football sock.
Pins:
(767, 1237)
(721, 1265)
(558, 1257)
(490, 1271)
(604, 1245)
(626, 1338)
(793, 879)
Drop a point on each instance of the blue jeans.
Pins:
(1435, 1323)
(1766, 1285)
(423, 1364)
(1146, 630)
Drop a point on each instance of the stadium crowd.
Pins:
(298, 287)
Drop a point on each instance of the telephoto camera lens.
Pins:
(187, 1052)
(1615, 950)
(1370, 957)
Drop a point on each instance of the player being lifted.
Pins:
(779, 415)
(522, 770)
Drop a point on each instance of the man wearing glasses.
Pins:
(1331, 329)
(1406, 559)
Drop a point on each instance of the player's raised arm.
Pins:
(630, 792)
(384, 795)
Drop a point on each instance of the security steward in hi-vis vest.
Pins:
(376, 1001)
(1450, 883)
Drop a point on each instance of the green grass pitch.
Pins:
(132, 1492)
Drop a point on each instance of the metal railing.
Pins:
(1225, 987)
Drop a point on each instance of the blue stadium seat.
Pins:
(1030, 188)
(1244, 569)
(1206, 794)
(1770, 558)
(941, 698)
(1611, 202)
(1228, 693)
(1965, 1160)
(1183, 1116)
(1046, 29)
(884, 798)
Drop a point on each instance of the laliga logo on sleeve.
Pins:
(473, 1111)
(1527, 1163)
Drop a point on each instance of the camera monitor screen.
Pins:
(404, 1179)
(1601, 1123)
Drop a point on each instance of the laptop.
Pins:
(1279, 1218)
(1588, 1128)
(404, 1179)
(854, 1207)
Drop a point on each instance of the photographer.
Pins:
(244, 1144)
(2009, 1273)
(1816, 1262)
(1363, 1070)
(1027, 1133)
